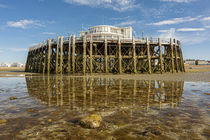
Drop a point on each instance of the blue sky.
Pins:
(26, 22)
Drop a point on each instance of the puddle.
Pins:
(52, 107)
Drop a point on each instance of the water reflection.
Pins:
(81, 93)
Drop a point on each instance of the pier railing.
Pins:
(102, 38)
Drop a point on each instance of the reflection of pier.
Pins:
(81, 93)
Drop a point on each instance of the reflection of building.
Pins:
(102, 31)
(83, 93)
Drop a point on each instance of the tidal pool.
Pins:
(50, 107)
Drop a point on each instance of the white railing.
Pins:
(109, 38)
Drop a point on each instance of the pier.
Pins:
(92, 54)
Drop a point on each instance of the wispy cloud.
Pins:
(3, 6)
(25, 23)
(49, 33)
(190, 29)
(119, 18)
(179, 1)
(117, 5)
(175, 21)
(206, 19)
(126, 23)
(19, 49)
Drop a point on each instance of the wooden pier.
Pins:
(105, 55)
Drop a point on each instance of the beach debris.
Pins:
(92, 121)
(12, 98)
(3, 121)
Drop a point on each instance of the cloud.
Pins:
(126, 23)
(206, 19)
(208, 26)
(186, 38)
(117, 5)
(190, 29)
(175, 21)
(167, 33)
(49, 33)
(120, 18)
(179, 1)
(19, 49)
(3, 6)
(25, 23)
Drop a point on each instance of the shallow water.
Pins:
(52, 106)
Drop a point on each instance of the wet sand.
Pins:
(187, 76)
(143, 106)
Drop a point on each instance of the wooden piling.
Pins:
(160, 55)
(119, 56)
(49, 56)
(91, 55)
(134, 55)
(45, 57)
(181, 58)
(148, 56)
(61, 54)
(105, 55)
(172, 55)
(40, 57)
(84, 54)
(57, 53)
(73, 54)
(69, 54)
(176, 56)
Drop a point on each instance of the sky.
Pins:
(24, 23)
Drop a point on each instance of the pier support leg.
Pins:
(160, 55)
(148, 56)
(69, 55)
(91, 55)
(106, 56)
(172, 55)
(45, 57)
(49, 56)
(57, 53)
(176, 56)
(119, 56)
(84, 54)
(134, 55)
(61, 55)
(73, 54)
(181, 58)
